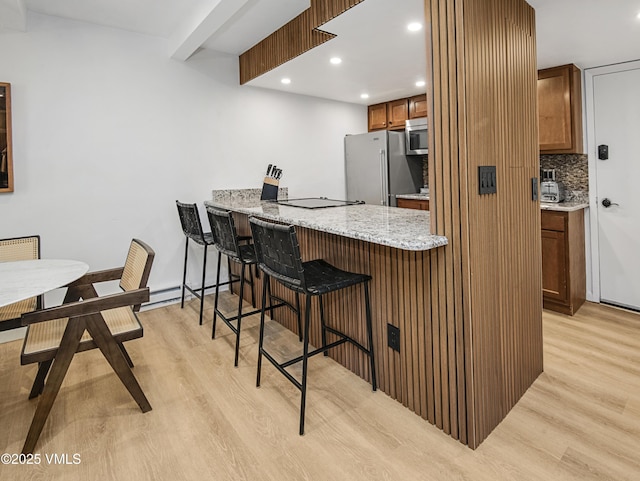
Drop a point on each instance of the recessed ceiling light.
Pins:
(286, 81)
(638, 16)
(414, 26)
(335, 60)
(420, 83)
(364, 96)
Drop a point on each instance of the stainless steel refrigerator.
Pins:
(377, 168)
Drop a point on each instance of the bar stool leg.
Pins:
(204, 273)
(238, 325)
(305, 355)
(370, 335)
(184, 270)
(323, 326)
(253, 292)
(299, 317)
(215, 304)
(265, 283)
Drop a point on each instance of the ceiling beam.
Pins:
(13, 15)
(202, 24)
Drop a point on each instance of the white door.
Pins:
(616, 102)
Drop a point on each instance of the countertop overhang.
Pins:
(568, 206)
(405, 229)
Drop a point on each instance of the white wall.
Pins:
(108, 132)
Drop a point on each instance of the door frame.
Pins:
(594, 254)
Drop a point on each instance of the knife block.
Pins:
(270, 189)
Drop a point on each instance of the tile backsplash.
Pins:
(572, 170)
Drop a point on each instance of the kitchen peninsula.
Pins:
(395, 247)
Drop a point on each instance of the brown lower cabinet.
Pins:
(413, 204)
(563, 261)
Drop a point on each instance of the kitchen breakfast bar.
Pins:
(395, 247)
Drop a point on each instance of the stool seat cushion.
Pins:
(208, 239)
(248, 253)
(321, 277)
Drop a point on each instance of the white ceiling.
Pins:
(379, 55)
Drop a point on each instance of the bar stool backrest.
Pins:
(278, 252)
(190, 220)
(223, 228)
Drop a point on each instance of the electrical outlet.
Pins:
(487, 181)
(393, 337)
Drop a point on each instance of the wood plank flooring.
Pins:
(580, 420)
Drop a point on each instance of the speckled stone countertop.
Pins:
(405, 229)
(569, 206)
(413, 196)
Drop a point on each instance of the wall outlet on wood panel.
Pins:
(393, 337)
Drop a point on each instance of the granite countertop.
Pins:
(568, 206)
(417, 196)
(400, 228)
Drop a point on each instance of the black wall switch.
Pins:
(487, 179)
(393, 337)
(534, 188)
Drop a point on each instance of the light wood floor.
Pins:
(579, 421)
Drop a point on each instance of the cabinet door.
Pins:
(413, 204)
(397, 113)
(554, 265)
(418, 106)
(560, 110)
(409, 203)
(377, 117)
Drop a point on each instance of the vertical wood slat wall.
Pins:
(292, 39)
(483, 112)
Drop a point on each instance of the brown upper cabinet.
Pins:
(392, 115)
(560, 110)
(418, 106)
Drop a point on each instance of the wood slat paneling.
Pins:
(292, 39)
(483, 112)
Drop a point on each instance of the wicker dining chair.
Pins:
(87, 321)
(19, 249)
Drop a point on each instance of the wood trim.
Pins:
(9, 134)
(292, 39)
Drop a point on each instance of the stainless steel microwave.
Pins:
(416, 136)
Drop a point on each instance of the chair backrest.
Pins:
(190, 220)
(278, 251)
(20, 248)
(137, 267)
(223, 229)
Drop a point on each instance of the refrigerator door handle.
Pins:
(384, 177)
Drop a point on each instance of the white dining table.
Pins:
(21, 280)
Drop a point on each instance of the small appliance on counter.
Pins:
(550, 189)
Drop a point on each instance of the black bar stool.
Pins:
(227, 242)
(192, 228)
(278, 254)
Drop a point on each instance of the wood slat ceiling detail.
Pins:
(488, 279)
(292, 39)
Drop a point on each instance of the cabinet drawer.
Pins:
(553, 221)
